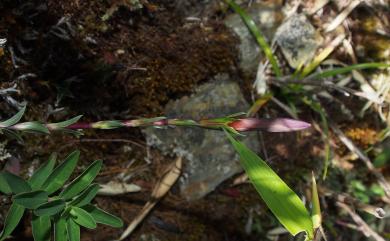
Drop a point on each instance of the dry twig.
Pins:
(361, 225)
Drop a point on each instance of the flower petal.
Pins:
(271, 125)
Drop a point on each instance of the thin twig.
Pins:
(362, 226)
(342, 16)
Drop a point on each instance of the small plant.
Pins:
(68, 211)
(55, 207)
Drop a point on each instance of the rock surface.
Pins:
(209, 157)
(298, 40)
(267, 18)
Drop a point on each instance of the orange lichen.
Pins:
(362, 136)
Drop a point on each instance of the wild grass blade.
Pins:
(280, 199)
(347, 69)
(316, 106)
(258, 36)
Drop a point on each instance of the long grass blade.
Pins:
(280, 199)
(258, 36)
(347, 69)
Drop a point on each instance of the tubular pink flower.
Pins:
(271, 125)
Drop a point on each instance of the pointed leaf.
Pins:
(101, 216)
(41, 227)
(280, 199)
(61, 173)
(83, 218)
(33, 126)
(13, 183)
(86, 196)
(64, 124)
(15, 214)
(14, 119)
(82, 181)
(31, 200)
(73, 230)
(316, 208)
(343, 70)
(50, 208)
(60, 233)
(40, 175)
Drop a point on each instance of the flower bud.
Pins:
(271, 125)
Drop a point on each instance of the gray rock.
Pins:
(298, 40)
(267, 18)
(209, 157)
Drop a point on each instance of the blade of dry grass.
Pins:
(342, 16)
(322, 55)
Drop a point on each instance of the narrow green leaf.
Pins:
(41, 227)
(83, 218)
(15, 214)
(73, 230)
(13, 183)
(50, 208)
(40, 175)
(101, 216)
(317, 107)
(60, 233)
(86, 196)
(61, 173)
(280, 199)
(64, 124)
(14, 119)
(33, 126)
(316, 208)
(31, 200)
(258, 36)
(347, 69)
(82, 181)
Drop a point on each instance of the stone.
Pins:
(298, 40)
(267, 18)
(209, 158)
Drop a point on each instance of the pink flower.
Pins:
(271, 125)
